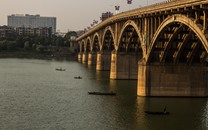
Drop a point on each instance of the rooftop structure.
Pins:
(6, 31)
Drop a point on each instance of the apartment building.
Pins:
(32, 21)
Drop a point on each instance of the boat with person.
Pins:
(102, 93)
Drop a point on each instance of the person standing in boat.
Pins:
(164, 110)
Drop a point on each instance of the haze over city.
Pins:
(71, 14)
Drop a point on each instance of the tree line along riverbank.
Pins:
(36, 47)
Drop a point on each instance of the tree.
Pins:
(59, 42)
(19, 42)
(11, 45)
(70, 35)
(3, 45)
(40, 48)
(27, 45)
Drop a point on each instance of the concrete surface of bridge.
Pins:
(164, 46)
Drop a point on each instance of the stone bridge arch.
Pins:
(95, 48)
(106, 47)
(190, 23)
(136, 29)
(110, 44)
(96, 42)
(87, 50)
(130, 50)
(88, 45)
(82, 46)
(176, 60)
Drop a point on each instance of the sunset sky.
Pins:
(71, 14)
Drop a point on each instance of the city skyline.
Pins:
(33, 21)
(71, 15)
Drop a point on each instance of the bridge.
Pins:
(164, 46)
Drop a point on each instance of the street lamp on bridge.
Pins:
(117, 7)
(129, 2)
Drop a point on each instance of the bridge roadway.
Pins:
(164, 46)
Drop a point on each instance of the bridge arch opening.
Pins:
(130, 40)
(179, 40)
(96, 44)
(177, 60)
(82, 44)
(129, 52)
(108, 41)
(107, 47)
(88, 45)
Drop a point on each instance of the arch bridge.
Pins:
(164, 46)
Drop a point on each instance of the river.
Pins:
(34, 96)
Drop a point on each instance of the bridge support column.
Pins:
(172, 80)
(92, 58)
(84, 58)
(103, 61)
(124, 66)
(80, 57)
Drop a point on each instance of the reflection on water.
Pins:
(33, 95)
(203, 116)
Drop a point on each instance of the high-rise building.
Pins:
(32, 21)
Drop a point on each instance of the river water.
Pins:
(34, 96)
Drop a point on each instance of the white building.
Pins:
(32, 21)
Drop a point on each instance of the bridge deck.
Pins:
(148, 10)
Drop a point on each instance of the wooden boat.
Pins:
(60, 69)
(157, 113)
(102, 93)
(78, 77)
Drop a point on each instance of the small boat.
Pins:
(164, 112)
(156, 113)
(102, 93)
(78, 77)
(60, 69)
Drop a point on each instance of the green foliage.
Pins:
(35, 43)
(11, 45)
(34, 46)
(59, 42)
(19, 42)
(7, 45)
(40, 48)
(27, 45)
(3, 45)
(70, 34)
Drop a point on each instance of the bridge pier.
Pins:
(92, 58)
(103, 61)
(124, 66)
(80, 57)
(84, 58)
(172, 80)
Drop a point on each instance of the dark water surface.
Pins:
(33, 96)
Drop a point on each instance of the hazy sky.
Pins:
(71, 14)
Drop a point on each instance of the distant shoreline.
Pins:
(35, 55)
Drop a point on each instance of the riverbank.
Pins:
(36, 55)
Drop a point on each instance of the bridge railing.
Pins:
(158, 7)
